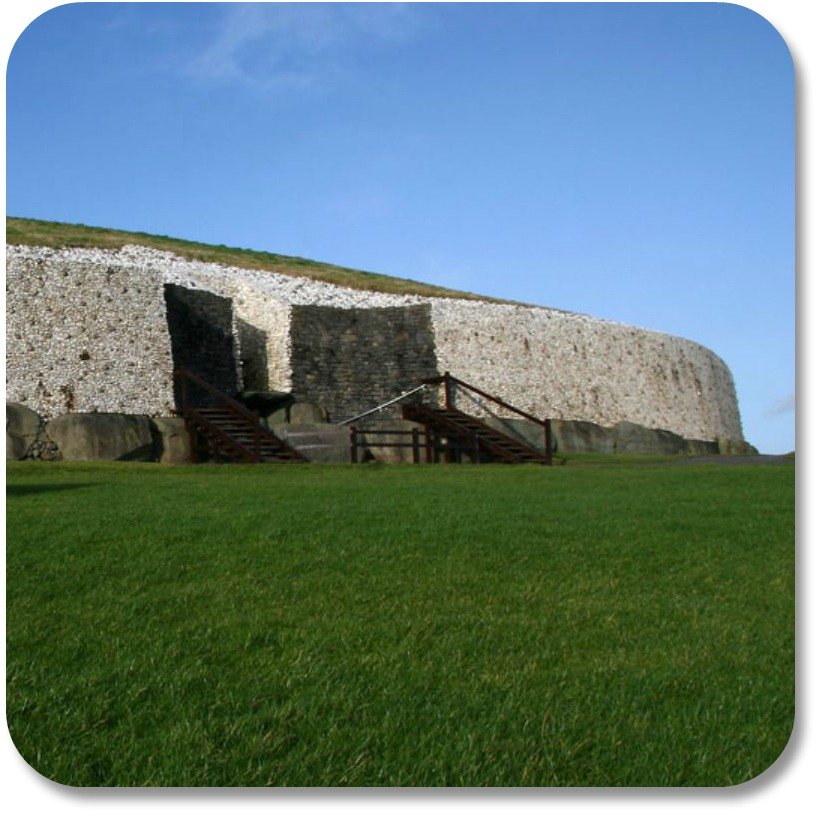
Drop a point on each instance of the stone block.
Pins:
(304, 412)
(102, 436)
(520, 429)
(701, 448)
(632, 438)
(732, 447)
(319, 443)
(582, 436)
(172, 440)
(22, 430)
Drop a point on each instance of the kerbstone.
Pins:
(101, 436)
(304, 412)
(630, 438)
(582, 436)
(732, 447)
(22, 430)
(173, 440)
(320, 442)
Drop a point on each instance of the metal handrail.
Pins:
(382, 406)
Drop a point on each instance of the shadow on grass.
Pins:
(42, 488)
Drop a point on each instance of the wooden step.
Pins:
(456, 427)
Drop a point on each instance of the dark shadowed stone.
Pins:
(102, 436)
(582, 436)
(632, 438)
(702, 447)
(22, 428)
(172, 440)
(276, 418)
(728, 446)
(320, 442)
(349, 360)
(265, 402)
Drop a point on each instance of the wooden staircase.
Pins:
(467, 435)
(231, 432)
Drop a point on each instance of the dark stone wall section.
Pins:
(254, 359)
(201, 336)
(350, 360)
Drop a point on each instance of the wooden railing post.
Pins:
(353, 442)
(548, 443)
(428, 446)
(447, 388)
(415, 445)
(257, 436)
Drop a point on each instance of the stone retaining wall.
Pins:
(572, 367)
(350, 360)
(87, 330)
(84, 336)
(201, 337)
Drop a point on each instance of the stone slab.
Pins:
(172, 440)
(319, 442)
(23, 427)
(102, 436)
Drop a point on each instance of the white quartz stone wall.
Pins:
(109, 305)
(84, 336)
(561, 365)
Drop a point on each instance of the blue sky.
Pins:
(630, 161)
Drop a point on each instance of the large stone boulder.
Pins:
(623, 438)
(582, 436)
(319, 442)
(702, 448)
(102, 436)
(303, 412)
(172, 440)
(23, 427)
(732, 447)
(519, 428)
(632, 438)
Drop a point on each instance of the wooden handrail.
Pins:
(252, 451)
(245, 413)
(441, 379)
(430, 442)
(447, 379)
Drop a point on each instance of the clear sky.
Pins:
(629, 161)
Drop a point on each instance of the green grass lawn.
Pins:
(397, 625)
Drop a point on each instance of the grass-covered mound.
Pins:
(447, 625)
(24, 231)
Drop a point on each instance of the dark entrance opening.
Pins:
(201, 338)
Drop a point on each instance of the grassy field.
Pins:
(24, 231)
(397, 625)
